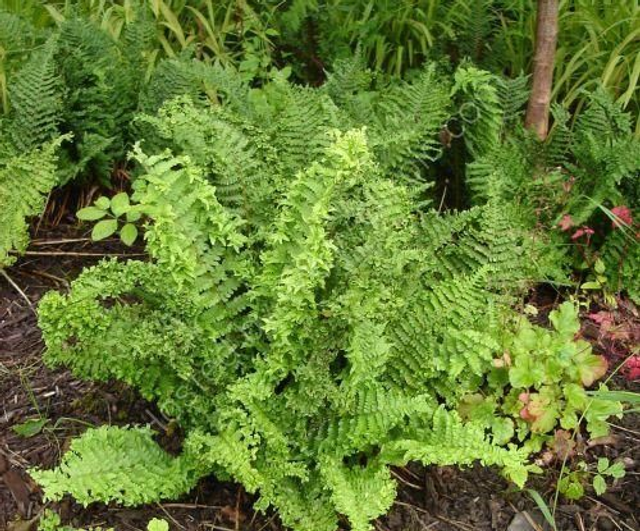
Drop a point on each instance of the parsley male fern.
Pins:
(301, 314)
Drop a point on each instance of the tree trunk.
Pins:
(537, 118)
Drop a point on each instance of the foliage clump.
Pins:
(302, 314)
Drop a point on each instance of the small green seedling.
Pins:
(158, 524)
(572, 484)
(599, 283)
(606, 470)
(110, 214)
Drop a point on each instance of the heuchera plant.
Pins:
(540, 384)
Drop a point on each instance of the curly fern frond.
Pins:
(117, 464)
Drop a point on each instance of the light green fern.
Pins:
(302, 315)
(117, 464)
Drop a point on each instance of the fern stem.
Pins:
(17, 288)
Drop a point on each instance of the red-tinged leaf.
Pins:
(542, 410)
(545, 417)
(583, 231)
(632, 368)
(602, 318)
(622, 217)
(526, 415)
(565, 223)
(524, 397)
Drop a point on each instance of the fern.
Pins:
(306, 320)
(408, 122)
(513, 94)
(621, 256)
(251, 361)
(171, 78)
(480, 112)
(579, 170)
(603, 147)
(121, 464)
(77, 85)
(36, 98)
(25, 182)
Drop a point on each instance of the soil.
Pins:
(432, 498)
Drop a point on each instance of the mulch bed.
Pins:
(432, 498)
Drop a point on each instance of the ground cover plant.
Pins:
(340, 220)
(324, 323)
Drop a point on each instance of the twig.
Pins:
(622, 522)
(171, 517)
(600, 502)
(402, 480)
(46, 275)
(444, 195)
(156, 420)
(408, 505)
(411, 473)
(612, 521)
(624, 429)
(454, 523)
(59, 242)
(46, 204)
(74, 253)
(265, 525)
(531, 521)
(190, 506)
(238, 498)
(17, 288)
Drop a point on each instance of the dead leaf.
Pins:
(18, 489)
(23, 525)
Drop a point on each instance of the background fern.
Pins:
(25, 181)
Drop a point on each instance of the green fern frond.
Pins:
(480, 110)
(25, 181)
(36, 95)
(352, 491)
(513, 94)
(117, 464)
(306, 320)
(621, 256)
(450, 441)
(170, 79)
(410, 116)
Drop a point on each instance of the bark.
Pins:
(537, 118)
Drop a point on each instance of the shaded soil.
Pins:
(438, 498)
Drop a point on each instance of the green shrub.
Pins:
(302, 314)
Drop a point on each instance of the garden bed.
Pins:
(438, 498)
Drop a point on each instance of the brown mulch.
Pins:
(438, 498)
